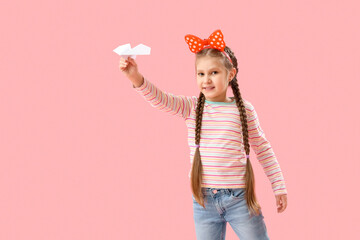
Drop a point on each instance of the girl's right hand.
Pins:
(130, 69)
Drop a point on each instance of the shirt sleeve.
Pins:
(264, 152)
(177, 105)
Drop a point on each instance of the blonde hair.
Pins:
(197, 169)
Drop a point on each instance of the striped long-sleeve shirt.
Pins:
(221, 141)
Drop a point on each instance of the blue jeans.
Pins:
(226, 205)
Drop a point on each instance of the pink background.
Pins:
(83, 156)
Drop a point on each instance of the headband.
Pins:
(215, 40)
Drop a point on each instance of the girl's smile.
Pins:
(208, 88)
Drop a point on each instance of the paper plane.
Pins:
(126, 51)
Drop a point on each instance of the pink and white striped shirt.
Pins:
(221, 144)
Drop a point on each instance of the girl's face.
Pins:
(213, 78)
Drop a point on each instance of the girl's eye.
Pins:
(202, 74)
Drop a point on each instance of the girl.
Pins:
(220, 132)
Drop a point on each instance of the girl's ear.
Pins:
(232, 73)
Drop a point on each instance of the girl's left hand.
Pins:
(281, 202)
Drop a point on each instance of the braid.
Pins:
(249, 174)
(197, 169)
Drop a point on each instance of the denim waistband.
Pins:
(212, 191)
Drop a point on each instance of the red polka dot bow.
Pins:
(216, 40)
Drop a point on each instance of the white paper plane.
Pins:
(126, 51)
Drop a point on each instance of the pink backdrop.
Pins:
(83, 156)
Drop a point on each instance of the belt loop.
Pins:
(205, 191)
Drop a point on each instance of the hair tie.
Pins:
(216, 40)
(197, 145)
(247, 156)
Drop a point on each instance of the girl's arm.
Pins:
(264, 152)
(167, 102)
(177, 105)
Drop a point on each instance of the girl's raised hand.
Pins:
(130, 69)
(281, 202)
